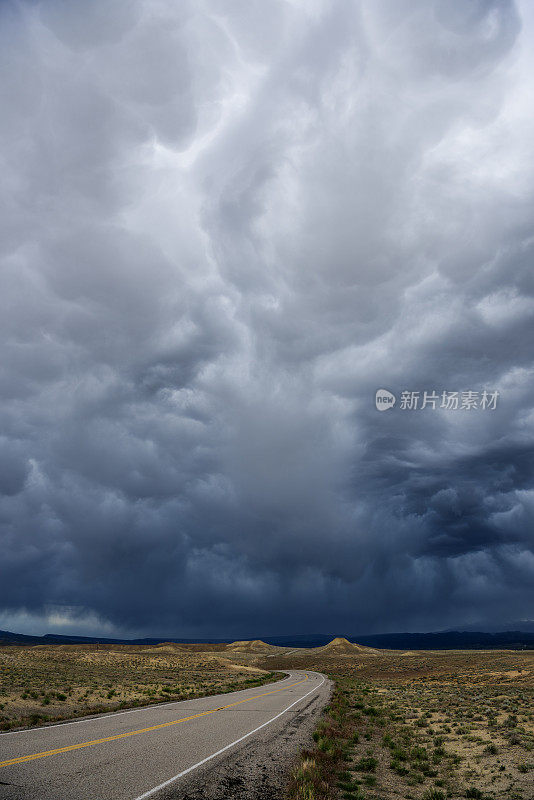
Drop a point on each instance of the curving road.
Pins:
(225, 746)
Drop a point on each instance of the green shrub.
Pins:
(434, 794)
(474, 793)
(366, 764)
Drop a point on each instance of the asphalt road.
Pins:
(230, 745)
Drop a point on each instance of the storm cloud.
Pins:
(223, 227)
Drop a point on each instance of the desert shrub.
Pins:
(433, 794)
(474, 793)
(387, 741)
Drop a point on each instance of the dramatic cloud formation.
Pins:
(224, 226)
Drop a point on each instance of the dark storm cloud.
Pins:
(223, 228)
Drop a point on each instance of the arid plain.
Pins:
(432, 725)
(47, 683)
(422, 725)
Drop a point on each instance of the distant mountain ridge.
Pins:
(441, 640)
(451, 640)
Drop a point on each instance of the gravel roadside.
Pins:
(259, 768)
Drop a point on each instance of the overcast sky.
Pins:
(224, 225)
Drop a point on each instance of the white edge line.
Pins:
(227, 747)
(136, 710)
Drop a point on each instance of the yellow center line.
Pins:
(34, 756)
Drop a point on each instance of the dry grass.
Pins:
(47, 683)
(423, 726)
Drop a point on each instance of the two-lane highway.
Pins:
(150, 752)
